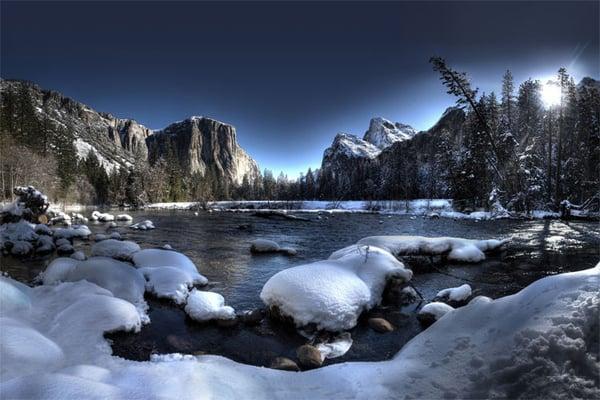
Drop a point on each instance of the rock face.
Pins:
(359, 166)
(200, 143)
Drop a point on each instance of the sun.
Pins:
(550, 93)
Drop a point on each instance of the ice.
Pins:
(333, 293)
(206, 306)
(119, 249)
(143, 226)
(460, 293)
(457, 249)
(168, 282)
(435, 309)
(168, 258)
(269, 246)
(336, 347)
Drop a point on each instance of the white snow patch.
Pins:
(143, 226)
(436, 309)
(333, 293)
(460, 293)
(121, 250)
(168, 282)
(168, 258)
(205, 306)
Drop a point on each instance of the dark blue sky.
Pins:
(288, 76)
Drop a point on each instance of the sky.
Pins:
(288, 75)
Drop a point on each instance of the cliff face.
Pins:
(200, 143)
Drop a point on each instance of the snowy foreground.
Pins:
(541, 342)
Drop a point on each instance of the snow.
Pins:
(168, 282)
(75, 231)
(383, 133)
(168, 258)
(351, 147)
(121, 250)
(436, 309)
(460, 293)
(333, 293)
(457, 249)
(78, 255)
(144, 225)
(269, 246)
(102, 217)
(534, 344)
(206, 306)
(121, 279)
(124, 217)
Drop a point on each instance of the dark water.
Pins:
(220, 249)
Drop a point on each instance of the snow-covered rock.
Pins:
(78, 255)
(168, 282)
(168, 258)
(456, 294)
(383, 133)
(457, 249)
(74, 231)
(118, 249)
(206, 306)
(143, 226)
(333, 293)
(350, 146)
(269, 246)
(121, 279)
(433, 311)
(102, 217)
(124, 217)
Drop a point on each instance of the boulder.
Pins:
(285, 364)
(309, 356)
(381, 325)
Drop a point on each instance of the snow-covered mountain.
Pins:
(383, 133)
(118, 142)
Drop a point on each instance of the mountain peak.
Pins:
(383, 133)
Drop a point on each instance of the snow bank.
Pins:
(205, 306)
(168, 258)
(168, 282)
(538, 343)
(269, 246)
(457, 249)
(333, 293)
(460, 293)
(121, 279)
(119, 249)
(143, 226)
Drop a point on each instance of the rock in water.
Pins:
(380, 325)
(285, 364)
(309, 356)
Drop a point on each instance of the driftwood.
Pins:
(274, 214)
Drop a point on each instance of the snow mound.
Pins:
(435, 309)
(102, 217)
(124, 217)
(205, 306)
(456, 249)
(143, 226)
(168, 258)
(121, 250)
(460, 293)
(269, 246)
(75, 231)
(333, 293)
(121, 279)
(168, 282)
